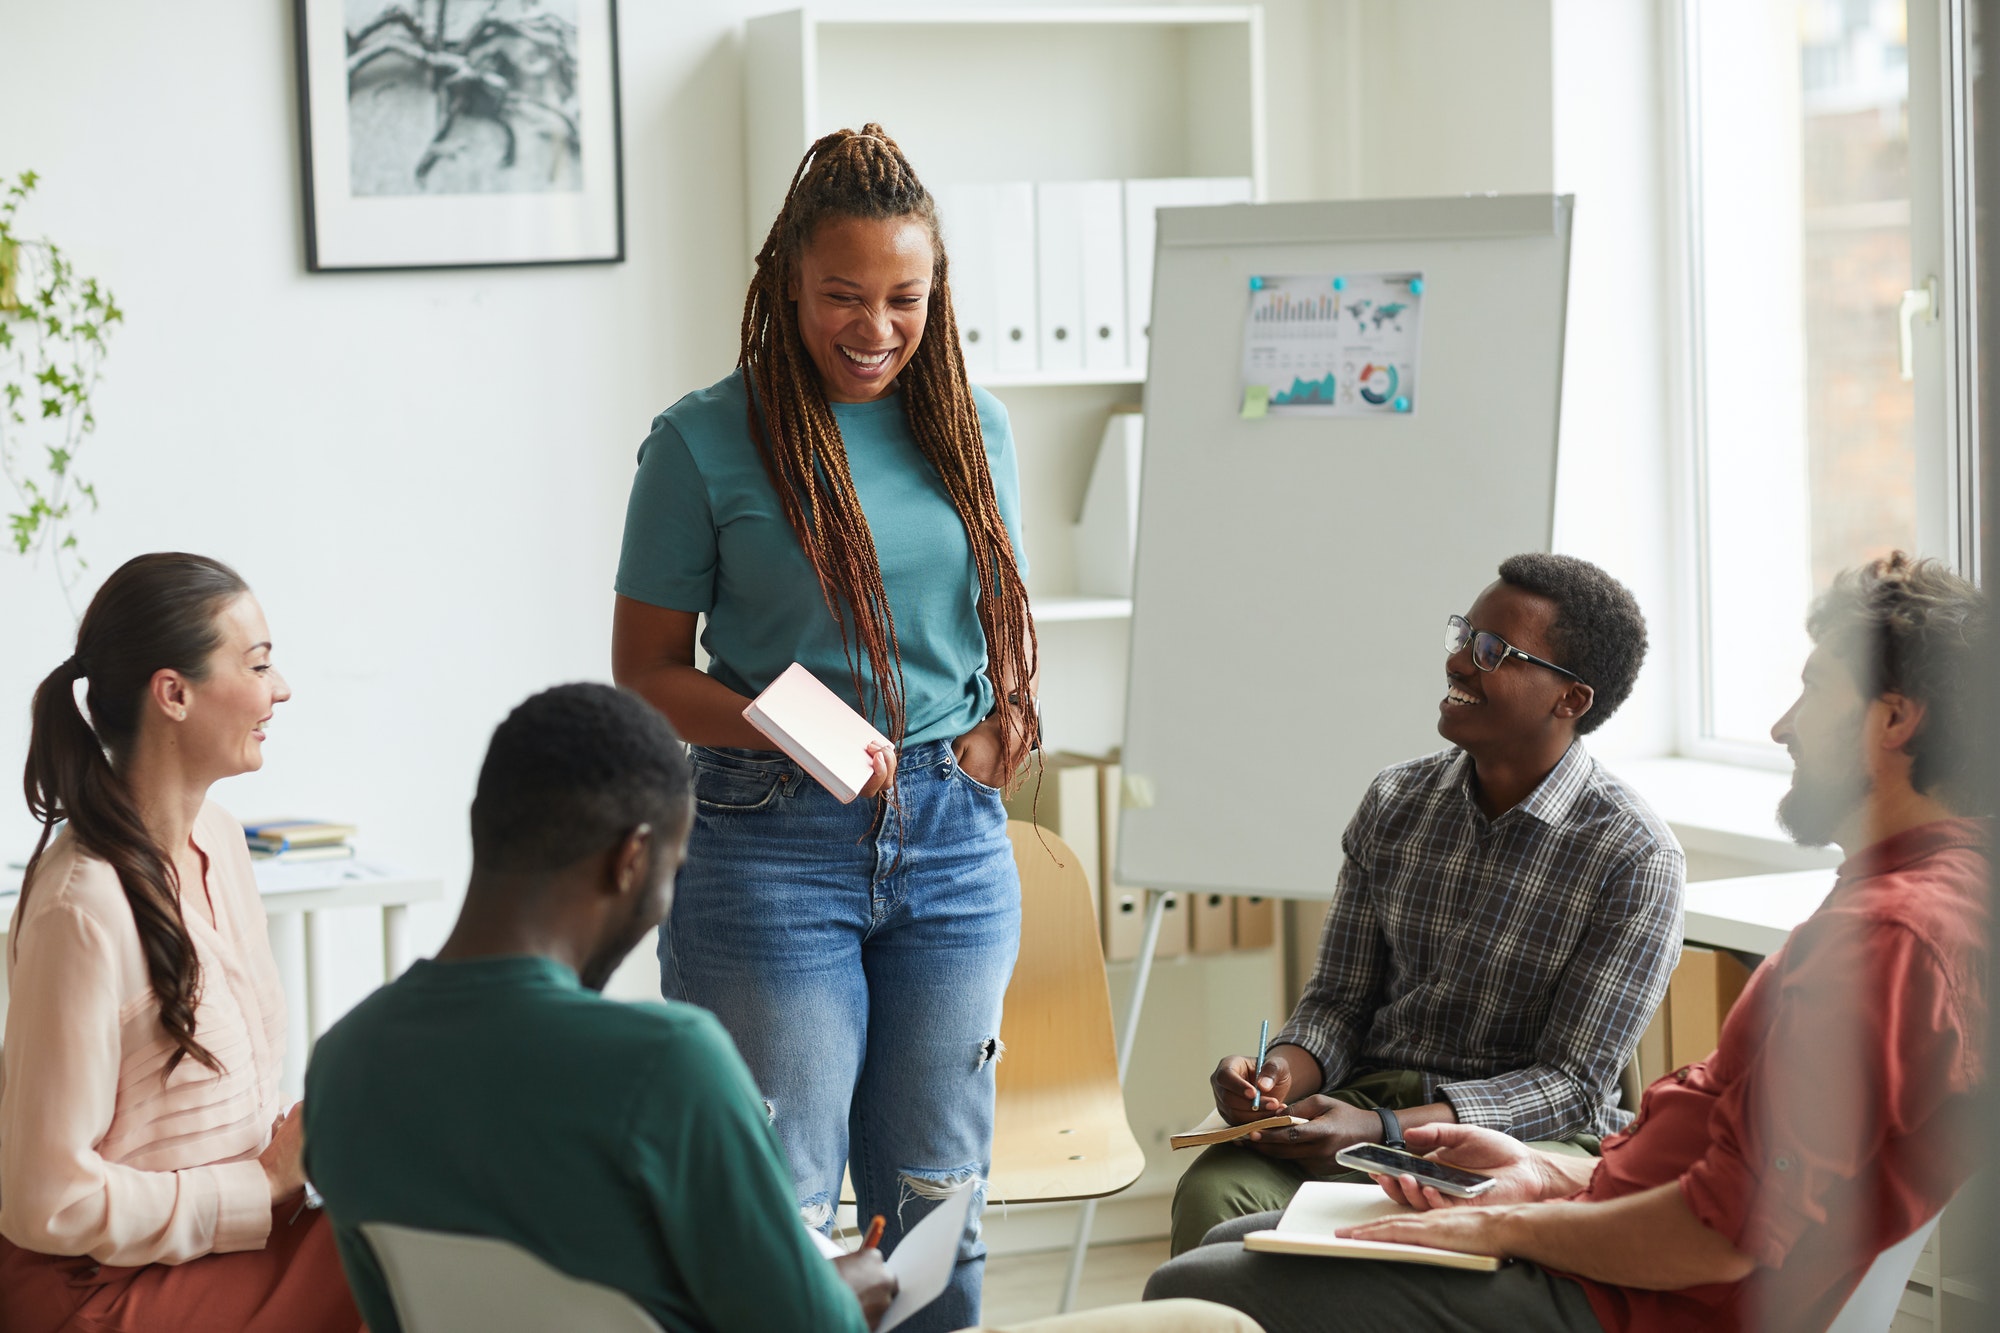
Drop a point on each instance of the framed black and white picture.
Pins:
(460, 133)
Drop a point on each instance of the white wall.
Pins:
(1445, 97)
(1393, 98)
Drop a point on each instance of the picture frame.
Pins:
(459, 133)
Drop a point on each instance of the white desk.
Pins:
(1755, 913)
(293, 895)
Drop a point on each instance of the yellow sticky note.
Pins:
(1256, 402)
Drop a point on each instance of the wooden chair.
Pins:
(1059, 1127)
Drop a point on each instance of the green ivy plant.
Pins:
(53, 323)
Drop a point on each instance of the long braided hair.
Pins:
(865, 175)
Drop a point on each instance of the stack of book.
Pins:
(299, 840)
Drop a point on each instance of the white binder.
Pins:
(1059, 274)
(1104, 312)
(1013, 270)
(1143, 199)
(966, 216)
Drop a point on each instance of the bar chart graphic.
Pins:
(1332, 344)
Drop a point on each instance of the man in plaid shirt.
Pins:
(1506, 918)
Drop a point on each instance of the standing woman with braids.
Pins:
(846, 499)
(148, 1180)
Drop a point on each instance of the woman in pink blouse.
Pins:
(149, 1178)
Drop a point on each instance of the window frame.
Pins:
(1946, 387)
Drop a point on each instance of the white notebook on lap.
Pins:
(1322, 1207)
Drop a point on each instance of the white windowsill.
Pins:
(1723, 809)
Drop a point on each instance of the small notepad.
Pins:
(817, 729)
(1214, 1129)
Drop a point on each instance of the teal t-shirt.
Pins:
(704, 532)
(624, 1144)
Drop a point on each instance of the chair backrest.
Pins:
(1873, 1304)
(1060, 1130)
(443, 1283)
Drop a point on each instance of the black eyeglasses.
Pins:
(1489, 650)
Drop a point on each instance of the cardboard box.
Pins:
(1699, 997)
(1256, 923)
(1175, 920)
(1212, 929)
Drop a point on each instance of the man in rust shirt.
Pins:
(1756, 1186)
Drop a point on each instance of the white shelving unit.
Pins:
(1063, 379)
(1025, 94)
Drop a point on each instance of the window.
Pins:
(1825, 173)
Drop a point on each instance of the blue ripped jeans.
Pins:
(859, 963)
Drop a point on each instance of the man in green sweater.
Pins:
(492, 1091)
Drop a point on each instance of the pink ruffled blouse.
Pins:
(99, 1155)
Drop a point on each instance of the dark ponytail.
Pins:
(157, 612)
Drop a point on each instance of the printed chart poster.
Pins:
(1340, 345)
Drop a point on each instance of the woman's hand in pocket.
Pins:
(980, 753)
(884, 758)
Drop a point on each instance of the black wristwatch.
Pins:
(1034, 710)
(1392, 1129)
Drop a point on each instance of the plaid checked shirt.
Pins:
(1512, 962)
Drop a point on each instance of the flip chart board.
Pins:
(1294, 570)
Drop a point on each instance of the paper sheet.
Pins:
(1332, 344)
(1322, 1207)
(924, 1258)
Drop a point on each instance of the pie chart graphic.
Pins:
(1378, 383)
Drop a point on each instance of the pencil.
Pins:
(874, 1236)
(1263, 1049)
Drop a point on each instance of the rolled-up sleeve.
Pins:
(1865, 1046)
(58, 1195)
(1605, 997)
(1333, 1015)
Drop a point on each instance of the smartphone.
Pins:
(1378, 1160)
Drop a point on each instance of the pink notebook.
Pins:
(818, 730)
